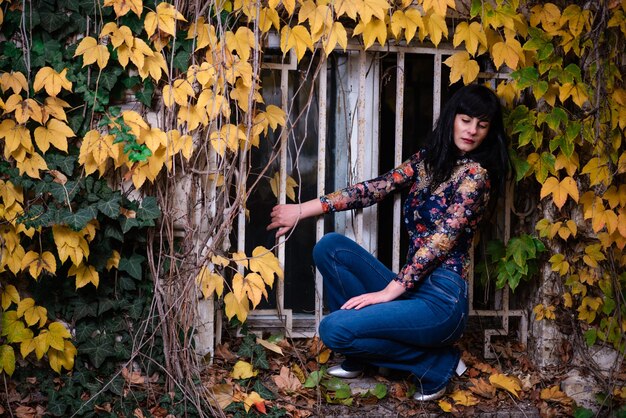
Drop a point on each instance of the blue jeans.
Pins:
(414, 333)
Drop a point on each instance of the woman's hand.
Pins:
(389, 293)
(284, 217)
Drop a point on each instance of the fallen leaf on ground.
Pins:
(222, 394)
(464, 397)
(270, 346)
(445, 406)
(556, 395)
(510, 384)
(482, 388)
(287, 381)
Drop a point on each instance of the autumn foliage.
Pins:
(82, 167)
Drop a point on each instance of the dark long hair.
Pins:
(476, 101)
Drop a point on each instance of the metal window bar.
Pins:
(303, 325)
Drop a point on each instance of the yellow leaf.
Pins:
(445, 406)
(462, 66)
(9, 296)
(14, 329)
(153, 65)
(576, 17)
(264, 262)
(234, 307)
(164, 19)
(121, 7)
(7, 359)
(252, 286)
(24, 109)
(593, 254)
(56, 335)
(53, 106)
(570, 164)
(297, 37)
(319, 17)
(254, 399)
(560, 190)
(96, 147)
(270, 346)
(14, 136)
(439, 6)
(209, 282)
(554, 394)
(598, 171)
(32, 313)
(372, 30)
(62, 358)
(437, 28)
(227, 137)
(472, 34)
(32, 165)
(567, 300)
(243, 370)
(291, 185)
(119, 35)
(588, 309)
(508, 53)
(114, 260)
(14, 81)
(85, 274)
(51, 81)
(559, 264)
(464, 397)
(369, 8)
(507, 383)
(36, 263)
(347, 7)
(268, 18)
(241, 41)
(336, 36)
(575, 91)
(548, 15)
(54, 133)
(92, 52)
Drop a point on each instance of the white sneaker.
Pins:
(460, 368)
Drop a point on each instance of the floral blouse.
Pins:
(441, 223)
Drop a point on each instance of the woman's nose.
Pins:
(473, 127)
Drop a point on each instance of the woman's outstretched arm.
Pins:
(285, 217)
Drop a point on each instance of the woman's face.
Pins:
(469, 132)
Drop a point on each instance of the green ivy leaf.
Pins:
(105, 305)
(84, 310)
(63, 163)
(145, 95)
(79, 219)
(126, 283)
(57, 404)
(149, 209)
(128, 223)
(98, 349)
(132, 265)
(110, 207)
(109, 77)
(113, 232)
(53, 20)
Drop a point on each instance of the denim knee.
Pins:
(333, 334)
(325, 245)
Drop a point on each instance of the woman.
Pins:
(410, 320)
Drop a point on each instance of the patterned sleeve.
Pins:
(373, 191)
(461, 215)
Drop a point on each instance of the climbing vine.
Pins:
(122, 115)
